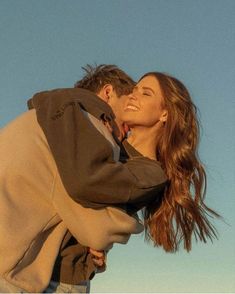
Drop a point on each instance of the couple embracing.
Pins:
(78, 166)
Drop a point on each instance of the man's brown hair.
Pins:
(97, 76)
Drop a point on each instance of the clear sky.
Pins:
(43, 45)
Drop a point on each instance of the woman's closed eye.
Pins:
(146, 93)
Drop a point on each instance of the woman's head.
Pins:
(181, 122)
(159, 98)
(145, 106)
(182, 212)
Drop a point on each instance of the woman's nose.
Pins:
(132, 96)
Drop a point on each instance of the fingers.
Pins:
(99, 257)
(99, 254)
(98, 262)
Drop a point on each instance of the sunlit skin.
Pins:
(144, 107)
(98, 257)
(109, 95)
(145, 114)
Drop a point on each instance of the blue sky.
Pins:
(45, 43)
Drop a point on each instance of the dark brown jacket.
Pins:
(88, 171)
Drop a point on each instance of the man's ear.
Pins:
(164, 116)
(107, 91)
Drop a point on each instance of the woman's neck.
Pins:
(144, 141)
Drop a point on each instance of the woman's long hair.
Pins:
(182, 212)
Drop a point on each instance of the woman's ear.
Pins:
(164, 115)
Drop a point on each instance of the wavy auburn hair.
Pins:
(182, 212)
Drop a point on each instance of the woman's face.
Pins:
(144, 107)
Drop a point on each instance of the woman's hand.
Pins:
(99, 257)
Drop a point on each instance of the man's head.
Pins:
(97, 77)
(110, 83)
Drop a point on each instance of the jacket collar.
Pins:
(59, 99)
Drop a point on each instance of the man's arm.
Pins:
(95, 228)
(84, 157)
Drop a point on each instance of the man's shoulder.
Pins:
(60, 93)
(58, 100)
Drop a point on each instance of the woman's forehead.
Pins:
(149, 82)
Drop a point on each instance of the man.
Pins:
(49, 167)
(74, 267)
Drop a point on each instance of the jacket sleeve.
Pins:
(84, 159)
(95, 228)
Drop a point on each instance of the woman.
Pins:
(164, 127)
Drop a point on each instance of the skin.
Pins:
(98, 257)
(109, 95)
(145, 114)
(144, 107)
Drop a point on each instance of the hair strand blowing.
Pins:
(182, 212)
